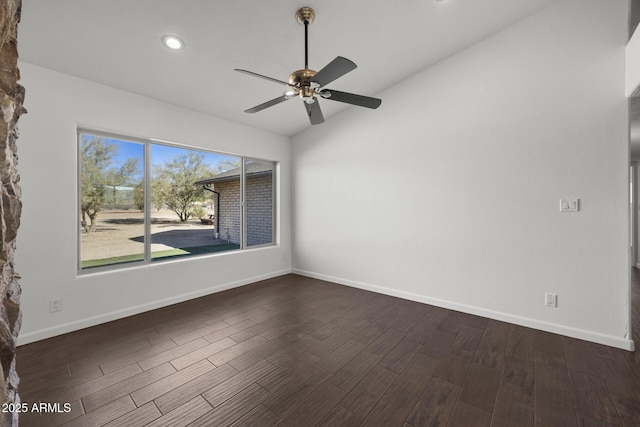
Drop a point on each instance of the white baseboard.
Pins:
(119, 314)
(612, 341)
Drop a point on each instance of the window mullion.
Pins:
(147, 202)
(243, 216)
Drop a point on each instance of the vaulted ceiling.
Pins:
(117, 43)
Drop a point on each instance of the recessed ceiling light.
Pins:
(172, 42)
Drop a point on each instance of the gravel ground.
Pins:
(121, 233)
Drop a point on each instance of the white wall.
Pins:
(47, 252)
(449, 193)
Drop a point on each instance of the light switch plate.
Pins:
(570, 205)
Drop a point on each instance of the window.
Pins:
(142, 201)
(258, 190)
(111, 200)
(181, 210)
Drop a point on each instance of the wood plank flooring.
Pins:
(294, 351)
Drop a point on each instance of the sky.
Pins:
(160, 153)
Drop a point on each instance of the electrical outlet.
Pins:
(551, 300)
(55, 304)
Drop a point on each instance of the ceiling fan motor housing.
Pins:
(301, 79)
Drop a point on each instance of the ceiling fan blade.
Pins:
(251, 73)
(334, 69)
(314, 112)
(267, 104)
(352, 98)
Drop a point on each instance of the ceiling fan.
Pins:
(309, 84)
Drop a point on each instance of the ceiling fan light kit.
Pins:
(308, 84)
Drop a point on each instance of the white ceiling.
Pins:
(117, 43)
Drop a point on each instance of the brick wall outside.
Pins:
(259, 201)
(229, 210)
(259, 210)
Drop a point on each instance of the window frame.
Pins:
(147, 171)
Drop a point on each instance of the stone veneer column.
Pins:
(11, 98)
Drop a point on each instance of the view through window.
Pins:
(111, 200)
(142, 201)
(258, 201)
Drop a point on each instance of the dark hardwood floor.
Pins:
(294, 351)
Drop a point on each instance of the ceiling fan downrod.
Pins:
(305, 16)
